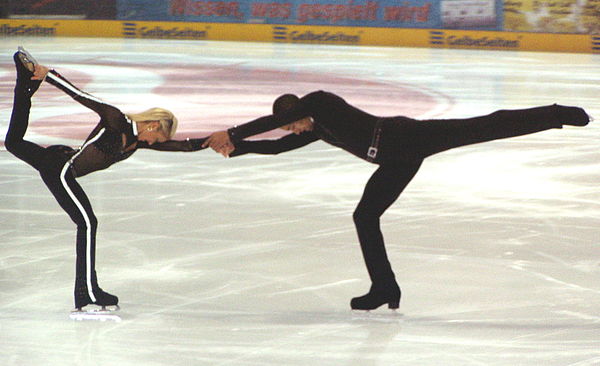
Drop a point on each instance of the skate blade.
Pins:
(99, 314)
(384, 316)
(26, 59)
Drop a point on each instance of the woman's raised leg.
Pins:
(15, 143)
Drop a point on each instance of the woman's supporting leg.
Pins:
(71, 197)
(382, 189)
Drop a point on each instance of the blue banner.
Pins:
(464, 14)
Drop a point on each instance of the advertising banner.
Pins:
(552, 16)
(468, 14)
(65, 9)
(56, 7)
(307, 34)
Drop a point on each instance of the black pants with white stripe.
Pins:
(53, 165)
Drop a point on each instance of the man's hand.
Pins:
(40, 72)
(220, 142)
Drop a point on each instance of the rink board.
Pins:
(368, 36)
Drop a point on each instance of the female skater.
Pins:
(116, 137)
(397, 144)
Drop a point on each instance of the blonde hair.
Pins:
(167, 120)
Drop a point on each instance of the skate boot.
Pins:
(25, 64)
(108, 305)
(573, 116)
(103, 299)
(377, 296)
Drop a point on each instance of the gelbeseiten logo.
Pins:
(287, 34)
(441, 38)
(133, 30)
(27, 30)
(596, 43)
(130, 30)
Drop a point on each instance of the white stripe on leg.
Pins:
(88, 233)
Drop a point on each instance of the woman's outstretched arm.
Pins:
(175, 145)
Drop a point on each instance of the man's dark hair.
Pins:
(284, 103)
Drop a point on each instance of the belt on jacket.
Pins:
(374, 148)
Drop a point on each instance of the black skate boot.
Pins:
(103, 299)
(573, 116)
(377, 296)
(25, 64)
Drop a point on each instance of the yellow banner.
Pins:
(402, 37)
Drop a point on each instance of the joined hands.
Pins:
(40, 72)
(220, 142)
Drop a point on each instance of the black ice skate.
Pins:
(26, 59)
(25, 64)
(105, 305)
(378, 296)
(574, 116)
(102, 298)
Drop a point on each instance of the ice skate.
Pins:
(575, 116)
(377, 297)
(25, 64)
(102, 308)
(26, 59)
(95, 311)
(102, 298)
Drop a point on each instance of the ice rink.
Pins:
(252, 261)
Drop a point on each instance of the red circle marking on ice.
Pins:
(216, 97)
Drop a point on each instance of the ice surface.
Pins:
(253, 260)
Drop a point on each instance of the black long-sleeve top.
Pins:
(114, 138)
(403, 140)
(335, 122)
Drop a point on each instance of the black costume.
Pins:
(398, 145)
(112, 140)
